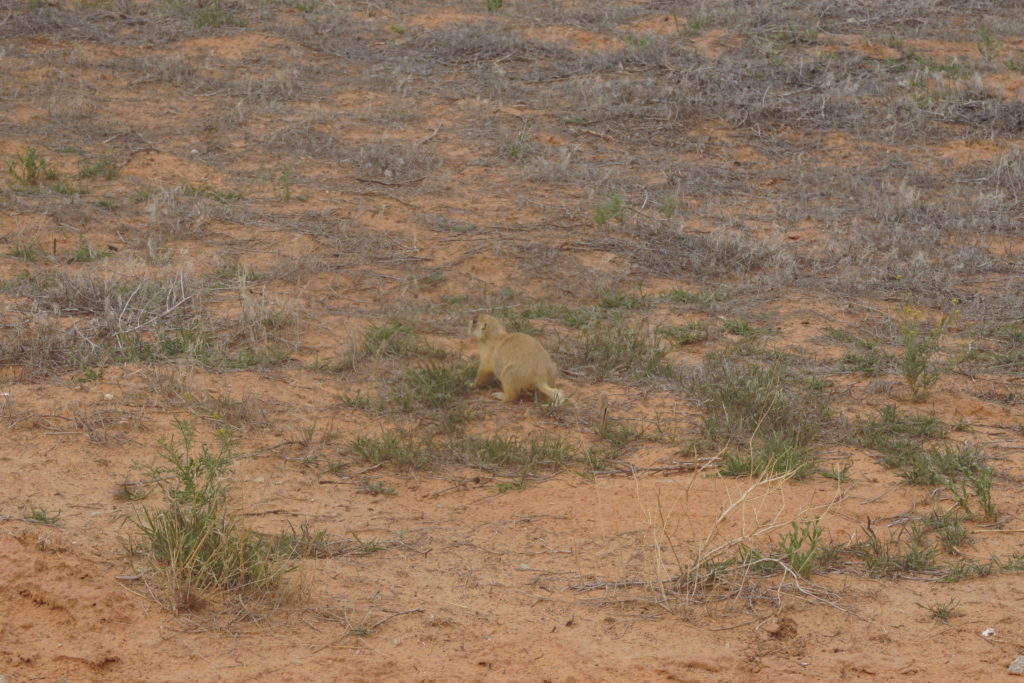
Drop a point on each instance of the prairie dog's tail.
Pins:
(554, 395)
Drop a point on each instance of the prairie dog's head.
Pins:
(485, 327)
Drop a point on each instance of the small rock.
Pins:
(988, 633)
(1017, 666)
(108, 397)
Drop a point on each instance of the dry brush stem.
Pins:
(758, 509)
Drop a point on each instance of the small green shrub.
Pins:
(616, 346)
(742, 328)
(743, 399)
(871, 362)
(890, 422)
(920, 341)
(393, 338)
(685, 296)
(215, 15)
(224, 197)
(519, 456)
(195, 539)
(618, 434)
(613, 299)
(801, 547)
(775, 454)
(942, 611)
(86, 253)
(64, 187)
(690, 333)
(30, 168)
(399, 447)
(775, 415)
(933, 466)
(40, 515)
(988, 44)
(105, 167)
(287, 179)
(302, 542)
(432, 385)
(613, 208)
(28, 252)
(980, 480)
(948, 527)
(906, 551)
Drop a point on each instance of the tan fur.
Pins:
(518, 361)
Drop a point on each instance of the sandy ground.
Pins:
(370, 191)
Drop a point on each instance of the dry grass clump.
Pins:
(388, 340)
(615, 345)
(1007, 177)
(506, 456)
(765, 418)
(672, 252)
(481, 41)
(122, 304)
(395, 163)
(750, 553)
(107, 424)
(310, 136)
(44, 345)
(89, 318)
(175, 214)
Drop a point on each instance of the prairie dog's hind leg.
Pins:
(483, 376)
(508, 394)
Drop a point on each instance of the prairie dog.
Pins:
(518, 360)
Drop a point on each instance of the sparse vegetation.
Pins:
(28, 252)
(802, 546)
(690, 333)
(768, 412)
(943, 611)
(394, 338)
(222, 196)
(616, 346)
(30, 169)
(374, 487)
(105, 167)
(401, 448)
(276, 219)
(194, 539)
(959, 467)
(514, 456)
(613, 208)
(40, 515)
(920, 341)
(432, 384)
(741, 328)
(86, 253)
(906, 550)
